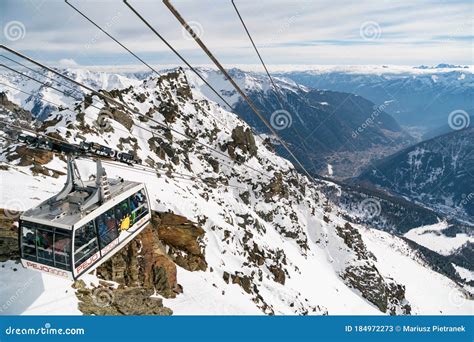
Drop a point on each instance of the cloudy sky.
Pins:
(291, 32)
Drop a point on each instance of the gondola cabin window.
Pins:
(46, 245)
(28, 241)
(122, 215)
(62, 249)
(85, 243)
(138, 206)
(107, 228)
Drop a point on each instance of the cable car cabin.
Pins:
(85, 224)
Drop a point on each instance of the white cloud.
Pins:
(288, 31)
(68, 63)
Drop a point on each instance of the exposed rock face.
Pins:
(169, 110)
(161, 148)
(276, 188)
(143, 268)
(384, 293)
(36, 158)
(388, 297)
(244, 140)
(118, 115)
(179, 84)
(20, 113)
(104, 300)
(143, 263)
(122, 117)
(183, 240)
(353, 240)
(8, 236)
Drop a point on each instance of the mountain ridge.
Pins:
(274, 243)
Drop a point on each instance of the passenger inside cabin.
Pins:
(29, 239)
(123, 215)
(44, 244)
(29, 244)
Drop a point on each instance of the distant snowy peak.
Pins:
(422, 98)
(102, 80)
(248, 81)
(40, 91)
(443, 66)
(375, 69)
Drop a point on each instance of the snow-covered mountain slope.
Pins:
(436, 172)
(325, 129)
(274, 243)
(40, 100)
(433, 238)
(331, 130)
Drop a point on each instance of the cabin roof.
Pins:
(65, 213)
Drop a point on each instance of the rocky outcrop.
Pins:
(169, 110)
(243, 139)
(144, 267)
(386, 296)
(8, 236)
(29, 156)
(143, 263)
(178, 83)
(20, 113)
(276, 188)
(106, 300)
(353, 240)
(183, 240)
(122, 117)
(36, 158)
(161, 148)
(362, 275)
